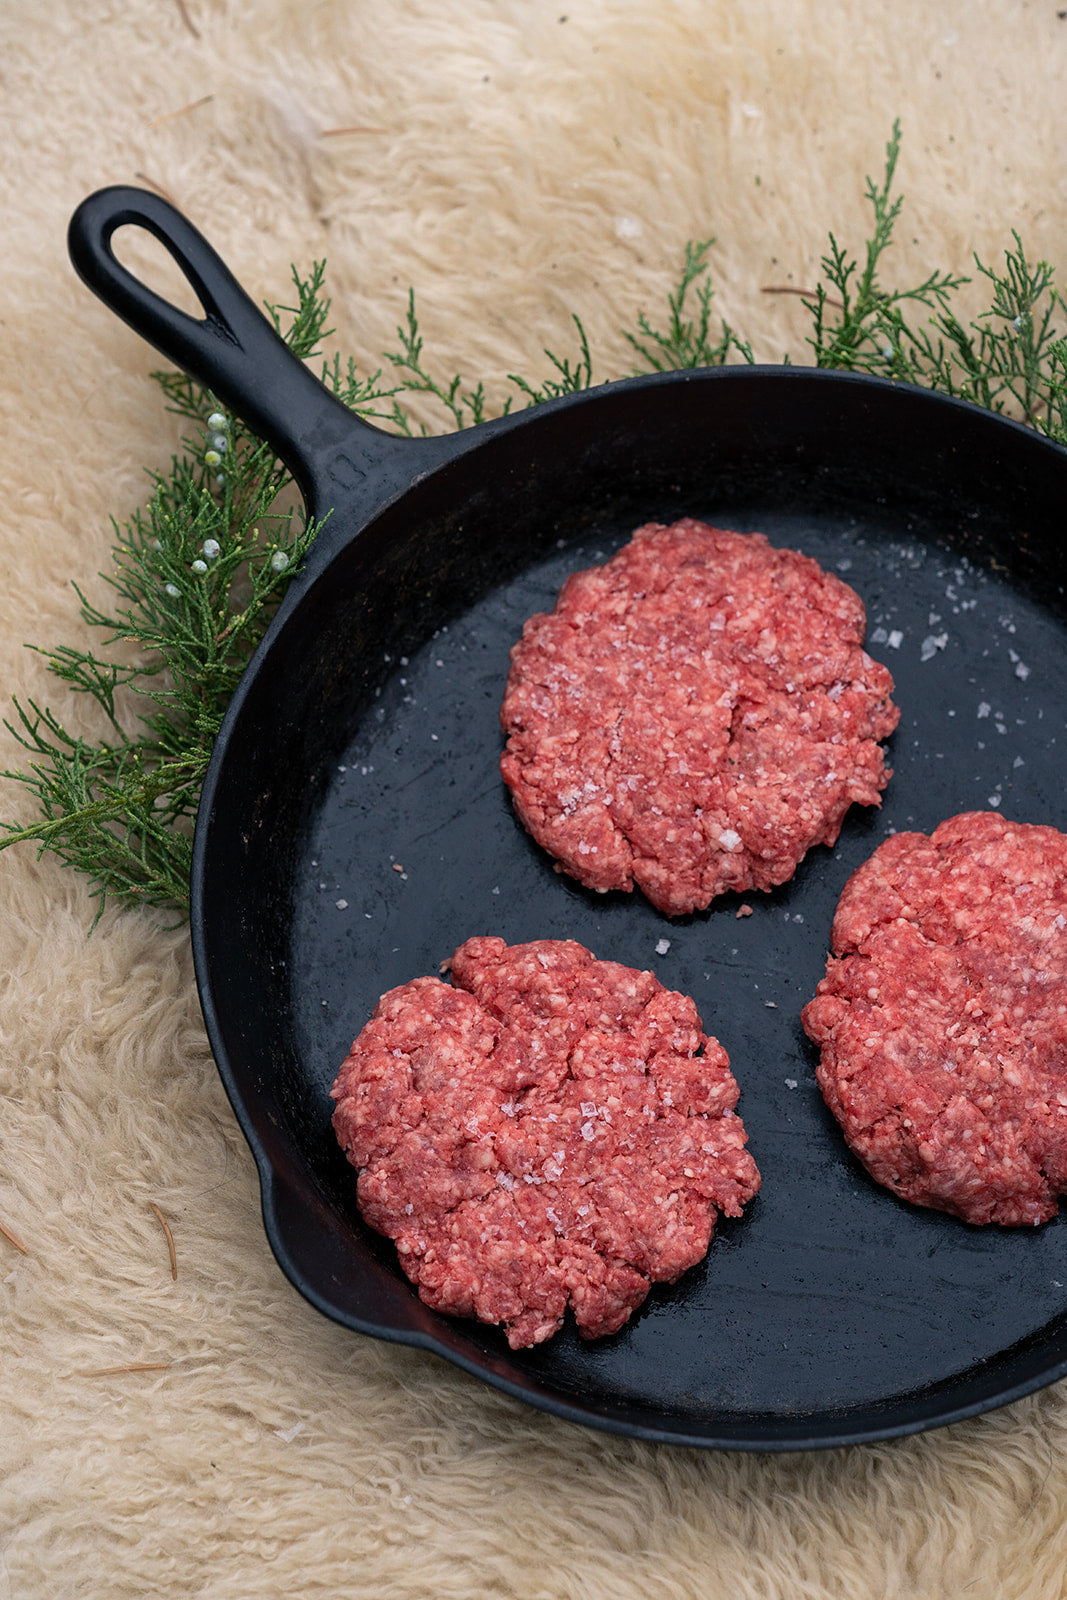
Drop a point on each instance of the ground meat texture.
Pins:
(549, 1129)
(694, 716)
(942, 1019)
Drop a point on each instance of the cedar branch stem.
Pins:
(333, 133)
(13, 1239)
(187, 19)
(168, 116)
(170, 1240)
(808, 294)
(127, 1366)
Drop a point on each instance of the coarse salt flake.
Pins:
(931, 645)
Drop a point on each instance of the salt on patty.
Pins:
(549, 1129)
(693, 716)
(942, 1019)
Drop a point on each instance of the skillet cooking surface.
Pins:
(364, 739)
(829, 1294)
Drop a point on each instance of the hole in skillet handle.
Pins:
(342, 466)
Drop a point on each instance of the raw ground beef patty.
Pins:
(550, 1129)
(943, 1018)
(694, 716)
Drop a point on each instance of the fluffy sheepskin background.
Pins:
(515, 161)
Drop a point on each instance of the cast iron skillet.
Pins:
(354, 830)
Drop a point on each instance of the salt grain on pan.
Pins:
(342, 905)
(662, 947)
(895, 640)
(931, 645)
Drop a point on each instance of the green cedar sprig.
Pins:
(685, 343)
(198, 572)
(1012, 358)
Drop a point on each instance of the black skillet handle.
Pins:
(235, 352)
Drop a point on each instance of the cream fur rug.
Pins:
(515, 161)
